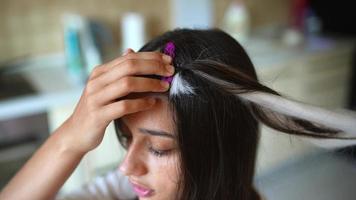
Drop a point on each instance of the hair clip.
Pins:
(167, 79)
(169, 49)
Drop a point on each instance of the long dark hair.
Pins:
(217, 131)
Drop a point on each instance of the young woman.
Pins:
(195, 139)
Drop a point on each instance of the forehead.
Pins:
(159, 116)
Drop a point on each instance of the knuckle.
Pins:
(161, 67)
(157, 56)
(114, 88)
(88, 89)
(129, 66)
(124, 106)
(96, 70)
(129, 55)
(126, 83)
(130, 63)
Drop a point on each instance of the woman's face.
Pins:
(151, 162)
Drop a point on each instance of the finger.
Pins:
(97, 71)
(130, 54)
(140, 55)
(120, 108)
(130, 68)
(151, 55)
(104, 68)
(127, 51)
(127, 85)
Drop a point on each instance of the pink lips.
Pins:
(141, 191)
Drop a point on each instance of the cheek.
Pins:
(165, 173)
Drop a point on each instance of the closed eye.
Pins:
(158, 153)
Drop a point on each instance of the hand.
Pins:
(98, 105)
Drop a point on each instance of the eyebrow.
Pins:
(152, 132)
(156, 133)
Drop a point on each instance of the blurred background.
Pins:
(304, 49)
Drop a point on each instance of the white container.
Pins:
(133, 31)
(236, 21)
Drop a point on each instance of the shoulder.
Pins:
(112, 186)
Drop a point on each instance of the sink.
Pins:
(15, 85)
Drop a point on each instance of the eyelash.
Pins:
(155, 152)
(158, 153)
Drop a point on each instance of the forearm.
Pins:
(46, 171)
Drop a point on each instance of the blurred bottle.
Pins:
(81, 51)
(294, 35)
(313, 24)
(75, 65)
(133, 31)
(236, 21)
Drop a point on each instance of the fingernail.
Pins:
(167, 58)
(170, 69)
(165, 84)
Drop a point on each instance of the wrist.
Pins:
(64, 140)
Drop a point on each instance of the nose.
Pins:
(133, 163)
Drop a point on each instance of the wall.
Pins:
(34, 27)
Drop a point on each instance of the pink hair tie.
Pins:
(169, 49)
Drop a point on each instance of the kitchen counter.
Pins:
(52, 85)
